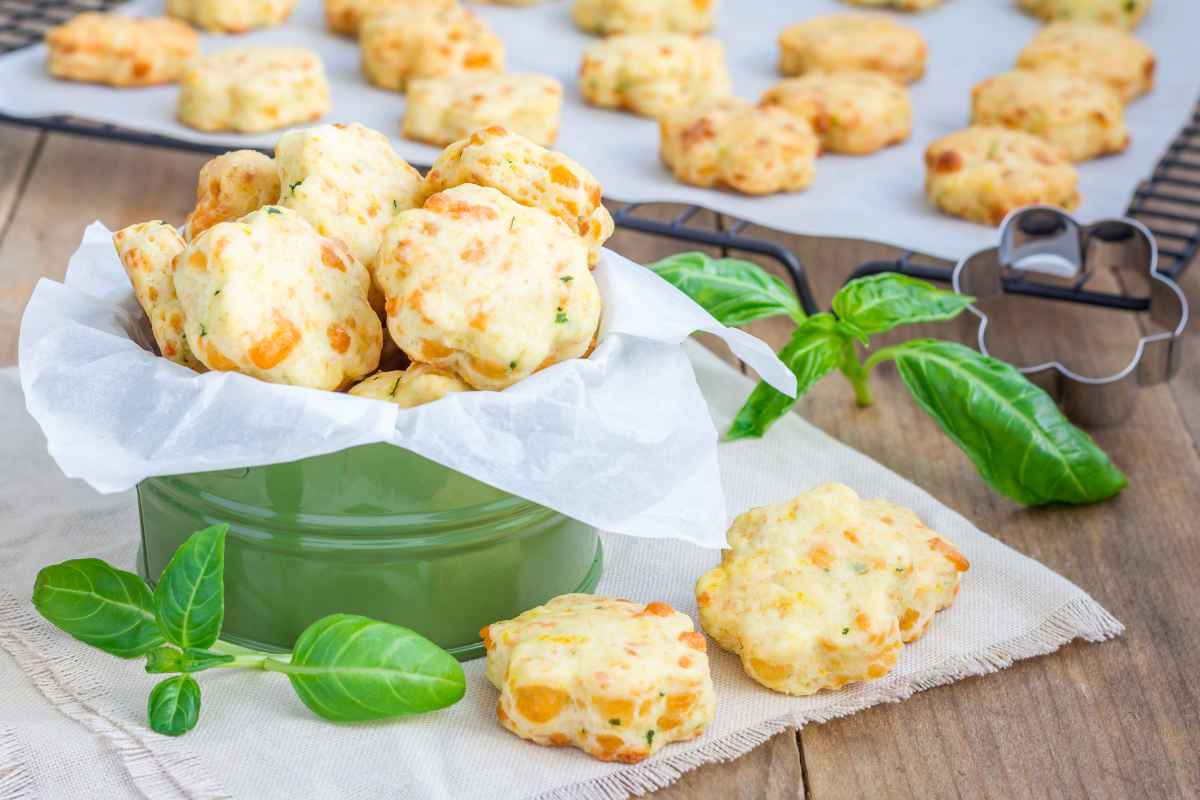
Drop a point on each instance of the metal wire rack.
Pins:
(1168, 203)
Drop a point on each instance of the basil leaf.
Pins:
(190, 596)
(99, 605)
(168, 659)
(735, 292)
(174, 706)
(878, 303)
(348, 668)
(1013, 431)
(816, 348)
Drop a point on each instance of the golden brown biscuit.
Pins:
(119, 50)
(415, 386)
(853, 42)
(898, 5)
(251, 89)
(1083, 117)
(983, 173)
(347, 181)
(486, 287)
(529, 174)
(654, 73)
(1089, 50)
(736, 145)
(230, 186)
(1121, 13)
(852, 112)
(147, 251)
(822, 590)
(270, 297)
(607, 17)
(617, 679)
(231, 16)
(427, 42)
(346, 16)
(443, 110)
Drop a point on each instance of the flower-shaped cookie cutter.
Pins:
(1047, 240)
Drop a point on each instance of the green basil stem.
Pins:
(857, 374)
(245, 658)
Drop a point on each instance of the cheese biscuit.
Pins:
(119, 51)
(529, 174)
(1120, 13)
(481, 285)
(898, 5)
(346, 16)
(147, 251)
(426, 42)
(270, 297)
(415, 386)
(852, 112)
(823, 590)
(230, 186)
(983, 173)
(607, 17)
(1085, 118)
(443, 110)
(653, 74)
(617, 679)
(853, 42)
(231, 16)
(253, 89)
(736, 145)
(1089, 50)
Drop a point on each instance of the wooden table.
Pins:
(1116, 720)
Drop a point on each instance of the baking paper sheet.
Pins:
(621, 440)
(876, 197)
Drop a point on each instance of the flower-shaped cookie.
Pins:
(614, 678)
(270, 297)
(486, 287)
(823, 590)
(529, 174)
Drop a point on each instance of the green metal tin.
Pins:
(374, 530)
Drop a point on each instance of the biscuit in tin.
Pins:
(230, 186)
(415, 386)
(617, 679)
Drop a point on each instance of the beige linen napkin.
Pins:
(255, 739)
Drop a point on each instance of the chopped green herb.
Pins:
(513, 365)
(395, 205)
(1130, 6)
(649, 738)
(567, 278)
(662, 694)
(860, 569)
(899, 569)
(395, 386)
(217, 292)
(511, 223)
(560, 317)
(292, 186)
(845, 631)
(994, 149)
(614, 721)
(273, 210)
(203, 330)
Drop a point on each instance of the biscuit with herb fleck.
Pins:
(608, 17)
(529, 174)
(824, 589)
(617, 679)
(408, 388)
(270, 297)
(253, 89)
(119, 50)
(734, 144)
(983, 173)
(486, 287)
(443, 110)
(852, 112)
(230, 186)
(1085, 118)
(652, 74)
(147, 251)
(853, 42)
(410, 42)
(1120, 13)
(1090, 50)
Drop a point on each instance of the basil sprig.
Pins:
(735, 292)
(1014, 433)
(344, 668)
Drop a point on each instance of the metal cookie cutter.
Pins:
(1046, 240)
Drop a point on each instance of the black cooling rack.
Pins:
(1168, 203)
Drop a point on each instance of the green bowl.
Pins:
(374, 530)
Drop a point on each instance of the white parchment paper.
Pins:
(877, 197)
(621, 440)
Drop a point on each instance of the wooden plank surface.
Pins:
(1113, 720)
